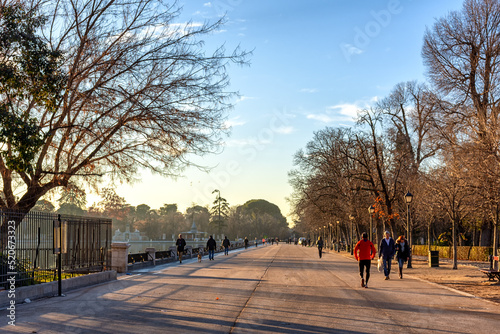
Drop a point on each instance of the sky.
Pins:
(315, 63)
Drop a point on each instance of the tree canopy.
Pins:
(105, 88)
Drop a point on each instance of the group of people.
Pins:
(365, 252)
(211, 246)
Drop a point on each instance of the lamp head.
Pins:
(408, 197)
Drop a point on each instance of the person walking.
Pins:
(180, 243)
(226, 244)
(386, 249)
(364, 253)
(402, 253)
(211, 246)
(319, 243)
(246, 242)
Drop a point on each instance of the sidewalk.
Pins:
(467, 278)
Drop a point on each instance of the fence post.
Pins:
(119, 256)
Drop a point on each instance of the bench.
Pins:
(491, 273)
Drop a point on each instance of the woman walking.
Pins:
(320, 246)
(402, 253)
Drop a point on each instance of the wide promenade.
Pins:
(271, 289)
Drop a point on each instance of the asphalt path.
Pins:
(272, 289)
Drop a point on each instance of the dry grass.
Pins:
(466, 278)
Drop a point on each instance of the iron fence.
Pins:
(27, 248)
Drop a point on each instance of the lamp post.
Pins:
(330, 233)
(351, 218)
(371, 211)
(338, 235)
(408, 199)
(324, 236)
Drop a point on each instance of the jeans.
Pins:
(387, 265)
(401, 262)
(211, 253)
(226, 250)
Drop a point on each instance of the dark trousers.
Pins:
(320, 249)
(211, 254)
(362, 265)
(226, 250)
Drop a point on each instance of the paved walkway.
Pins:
(272, 289)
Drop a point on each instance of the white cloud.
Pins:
(351, 109)
(285, 130)
(323, 118)
(308, 90)
(244, 98)
(234, 122)
(346, 109)
(343, 112)
(207, 4)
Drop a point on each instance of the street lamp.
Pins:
(324, 236)
(330, 235)
(338, 235)
(408, 199)
(351, 217)
(371, 211)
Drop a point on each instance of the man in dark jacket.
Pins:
(211, 245)
(180, 243)
(226, 244)
(386, 251)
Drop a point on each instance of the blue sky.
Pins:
(315, 63)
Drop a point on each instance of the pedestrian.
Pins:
(180, 243)
(255, 242)
(367, 252)
(225, 244)
(211, 246)
(387, 253)
(402, 253)
(246, 242)
(319, 243)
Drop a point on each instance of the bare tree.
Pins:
(138, 90)
(461, 52)
(453, 194)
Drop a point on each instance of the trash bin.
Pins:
(433, 258)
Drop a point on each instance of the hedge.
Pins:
(463, 252)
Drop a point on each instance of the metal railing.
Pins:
(27, 246)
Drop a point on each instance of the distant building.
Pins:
(194, 234)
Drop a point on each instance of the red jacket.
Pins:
(366, 250)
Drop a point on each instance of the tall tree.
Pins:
(219, 211)
(461, 52)
(136, 92)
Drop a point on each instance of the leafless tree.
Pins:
(453, 194)
(461, 52)
(141, 90)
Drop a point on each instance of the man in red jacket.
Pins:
(367, 252)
